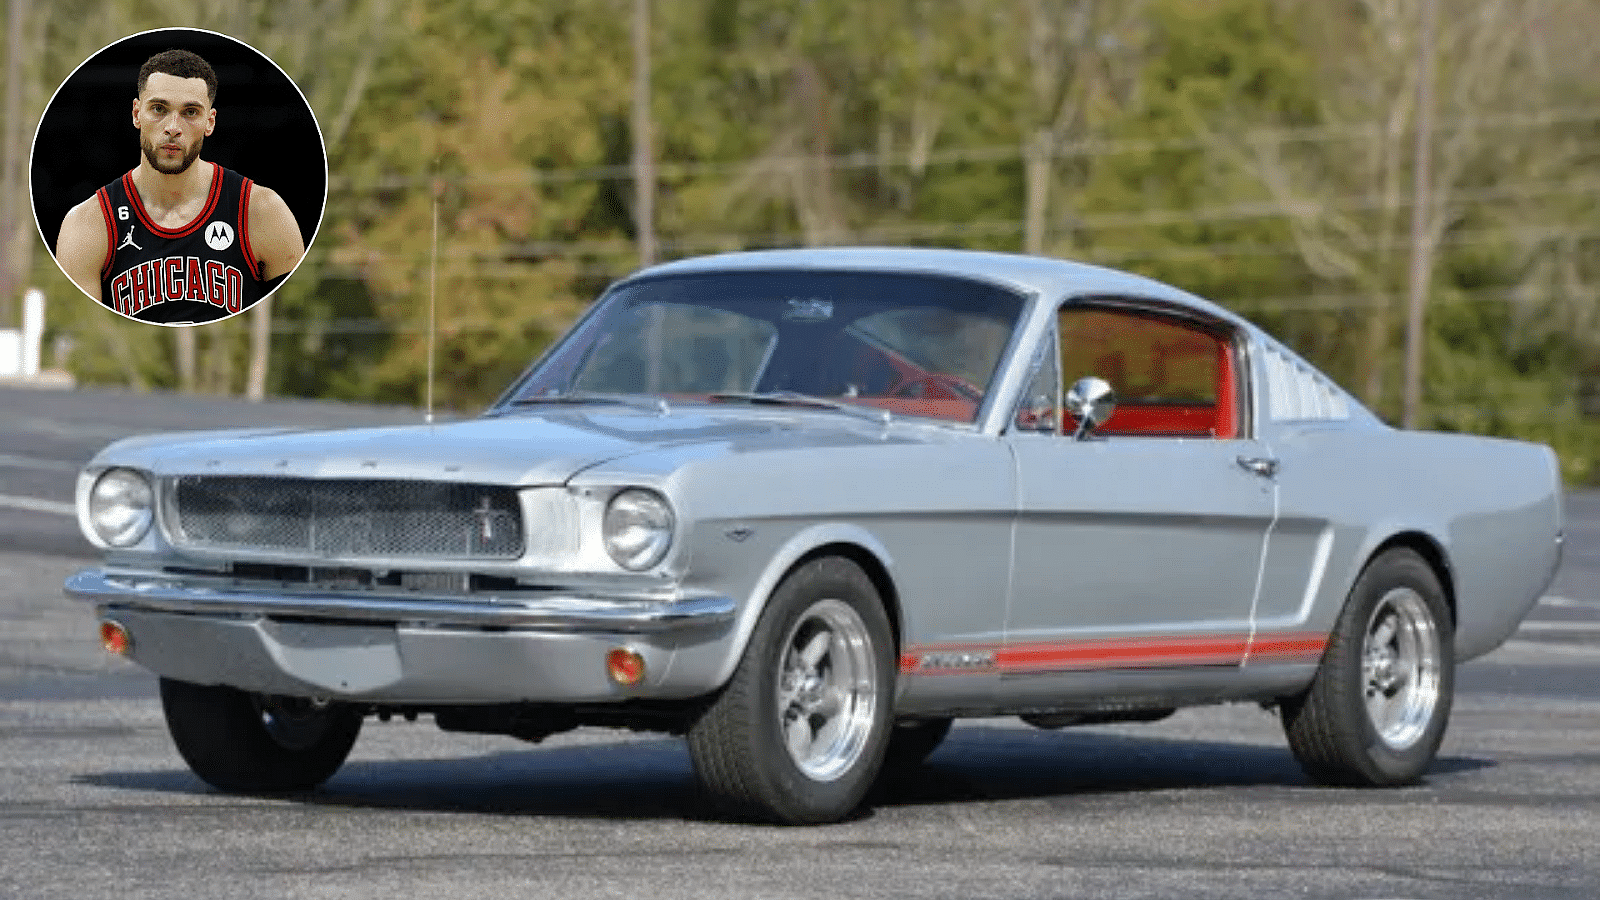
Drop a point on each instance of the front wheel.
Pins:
(799, 733)
(1377, 709)
(255, 743)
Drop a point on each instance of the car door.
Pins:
(1139, 547)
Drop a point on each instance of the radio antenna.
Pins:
(433, 285)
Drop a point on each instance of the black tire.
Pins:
(798, 734)
(254, 744)
(1378, 707)
(911, 742)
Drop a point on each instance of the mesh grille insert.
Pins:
(348, 517)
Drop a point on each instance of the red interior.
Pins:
(955, 410)
(950, 409)
(1219, 420)
(1161, 420)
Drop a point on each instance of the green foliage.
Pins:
(1223, 66)
(335, 343)
(1254, 151)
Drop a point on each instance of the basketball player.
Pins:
(178, 240)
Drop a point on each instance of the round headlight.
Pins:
(638, 528)
(121, 507)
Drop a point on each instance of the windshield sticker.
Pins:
(809, 309)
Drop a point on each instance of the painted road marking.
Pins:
(13, 461)
(34, 504)
(1569, 602)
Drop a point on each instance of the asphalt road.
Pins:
(1208, 804)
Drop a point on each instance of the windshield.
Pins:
(921, 345)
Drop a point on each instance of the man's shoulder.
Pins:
(85, 213)
(264, 199)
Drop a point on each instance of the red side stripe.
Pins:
(1289, 647)
(1124, 653)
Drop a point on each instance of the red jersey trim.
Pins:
(137, 203)
(104, 197)
(244, 228)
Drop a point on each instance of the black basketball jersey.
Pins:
(197, 273)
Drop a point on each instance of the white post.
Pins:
(32, 331)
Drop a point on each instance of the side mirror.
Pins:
(1091, 401)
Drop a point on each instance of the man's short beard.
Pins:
(178, 168)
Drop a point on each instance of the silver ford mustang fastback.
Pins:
(807, 507)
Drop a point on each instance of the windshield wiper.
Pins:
(637, 401)
(795, 398)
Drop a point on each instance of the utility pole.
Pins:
(11, 240)
(1421, 202)
(644, 177)
(644, 160)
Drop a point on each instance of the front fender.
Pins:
(715, 665)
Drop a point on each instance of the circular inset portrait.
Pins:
(178, 176)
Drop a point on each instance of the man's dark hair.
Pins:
(179, 64)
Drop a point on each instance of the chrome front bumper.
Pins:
(554, 612)
(399, 649)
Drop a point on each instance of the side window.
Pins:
(1173, 377)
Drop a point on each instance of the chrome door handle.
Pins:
(1265, 466)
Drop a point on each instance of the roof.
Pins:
(1033, 274)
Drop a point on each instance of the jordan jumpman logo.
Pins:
(128, 241)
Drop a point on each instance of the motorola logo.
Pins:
(219, 235)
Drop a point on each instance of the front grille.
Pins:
(346, 517)
(349, 578)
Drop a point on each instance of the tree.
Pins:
(1345, 194)
(1160, 200)
(492, 101)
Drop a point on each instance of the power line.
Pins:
(476, 262)
(687, 244)
(1093, 148)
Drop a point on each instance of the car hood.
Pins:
(545, 447)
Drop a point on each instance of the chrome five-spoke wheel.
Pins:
(1377, 708)
(800, 731)
(827, 693)
(1400, 667)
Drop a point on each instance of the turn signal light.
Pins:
(115, 638)
(625, 666)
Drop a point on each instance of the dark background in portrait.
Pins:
(265, 131)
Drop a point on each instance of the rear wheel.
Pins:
(800, 731)
(1378, 707)
(256, 743)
